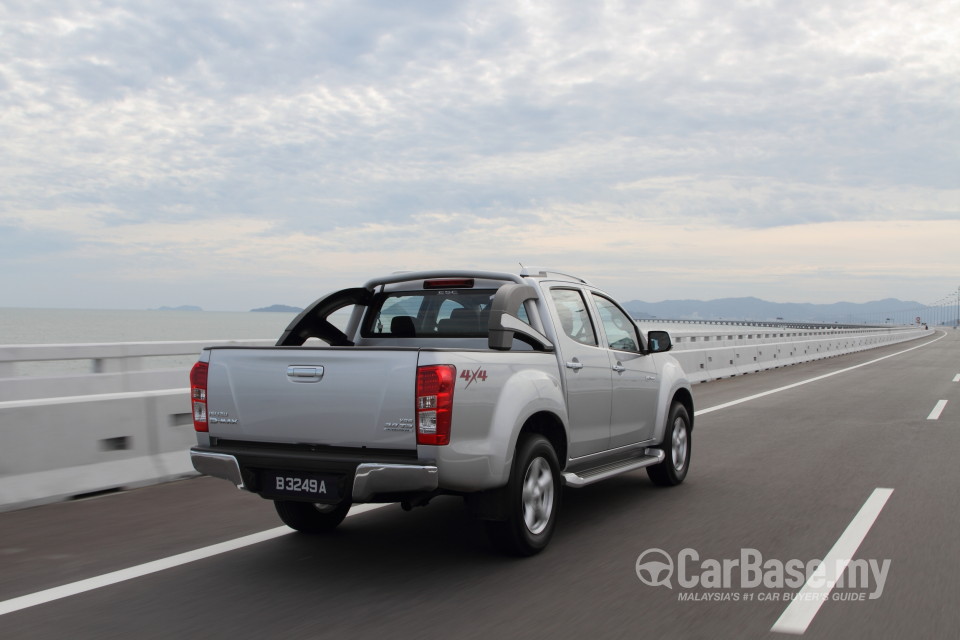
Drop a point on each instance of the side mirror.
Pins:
(659, 342)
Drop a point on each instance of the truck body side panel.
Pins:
(495, 394)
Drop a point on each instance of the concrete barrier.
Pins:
(711, 354)
(116, 427)
(123, 426)
(57, 448)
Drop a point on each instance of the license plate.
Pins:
(305, 486)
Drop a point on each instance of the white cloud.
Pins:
(376, 134)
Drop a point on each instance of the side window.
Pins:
(621, 332)
(522, 314)
(394, 307)
(447, 307)
(574, 318)
(455, 319)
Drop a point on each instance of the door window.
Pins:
(574, 319)
(621, 332)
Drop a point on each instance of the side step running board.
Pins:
(589, 476)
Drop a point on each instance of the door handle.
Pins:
(305, 373)
(619, 368)
(576, 366)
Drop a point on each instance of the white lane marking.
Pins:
(732, 403)
(140, 570)
(956, 378)
(800, 612)
(937, 410)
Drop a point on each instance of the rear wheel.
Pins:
(677, 446)
(531, 499)
(308, 517)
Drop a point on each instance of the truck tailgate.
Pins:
(337, 397)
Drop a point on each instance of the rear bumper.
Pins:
(372, 479)
(218, 465)
(369, 480)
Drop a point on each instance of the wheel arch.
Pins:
(551, 427)
(684, 397)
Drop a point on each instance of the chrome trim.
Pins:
(589, 476)
(218, 465)
(373, 478)
(657, 453)
(623, 452)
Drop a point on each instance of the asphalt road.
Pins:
(782, 476)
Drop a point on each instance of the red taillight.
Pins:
(198, 395)
(435, 403)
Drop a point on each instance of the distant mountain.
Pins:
(184, 307)
(757, 310)
(279, 308)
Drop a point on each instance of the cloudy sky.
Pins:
(238, 154)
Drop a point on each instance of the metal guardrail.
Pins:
(711, 354)
(767, 323)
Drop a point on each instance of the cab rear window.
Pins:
(453, 313)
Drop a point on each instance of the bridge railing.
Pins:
(722, 352)
(96, 368)
(101, 417)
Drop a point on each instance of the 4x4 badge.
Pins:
(473, 376)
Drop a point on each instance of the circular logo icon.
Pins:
(655, 568)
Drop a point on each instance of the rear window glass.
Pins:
(454, 313)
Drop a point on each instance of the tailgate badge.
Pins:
(403, 424)
(222, 417)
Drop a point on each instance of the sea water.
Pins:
(72, 326)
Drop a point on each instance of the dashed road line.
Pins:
(800, 612)
(937, 410)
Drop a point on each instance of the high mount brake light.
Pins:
(198, 395)
(449, 283)
(434, 407)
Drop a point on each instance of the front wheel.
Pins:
(676, 444)
(307, 517)
(531, 499)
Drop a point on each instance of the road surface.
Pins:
(855, 455)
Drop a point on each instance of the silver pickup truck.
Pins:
(501, 388)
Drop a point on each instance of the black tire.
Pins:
(531, 499)
(307, 517)
(677, 444)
